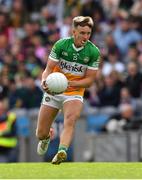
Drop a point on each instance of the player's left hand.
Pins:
(51, 133)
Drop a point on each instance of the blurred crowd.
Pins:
(29, 28)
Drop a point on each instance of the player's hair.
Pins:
(82, 21)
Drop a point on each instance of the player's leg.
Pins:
(71, 110)
(47, 113)
(46, 116)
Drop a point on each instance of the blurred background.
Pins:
(110, 126)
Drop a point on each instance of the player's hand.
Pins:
(45, 88)
(51, 133)
(72, 83)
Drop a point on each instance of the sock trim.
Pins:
(46, 139)
(62, 147)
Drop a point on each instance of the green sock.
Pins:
(62, 147)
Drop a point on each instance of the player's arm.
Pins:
(51, 63)
(49, 69)
(87, 81)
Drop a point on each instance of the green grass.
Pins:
(71, 171)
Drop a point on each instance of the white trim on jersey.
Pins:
(53, 59)
(77, 49)
(93, 68)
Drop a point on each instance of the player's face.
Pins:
(81, 35)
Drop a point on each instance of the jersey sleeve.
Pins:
(95, 59)
(56, 51)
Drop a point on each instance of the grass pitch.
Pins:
(71, 171)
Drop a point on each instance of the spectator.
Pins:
(29, 31)
(109, 45)
(20, 94)
(124, 35)
(125, 4)
(53, 32)
(65, 28)
(5, 5)
(13, 95)
(132, 54)
(32, 63)
(92, 8)
(118, 122)
(136, 8)
(70, 5)
(110, 7)
(18, 14)
(126, 98)
(140, 62)
(92, 96)
(4, 82)
(113, 64)
(8, 60)
(8, 135)
(109, 95)
(4, 28)
(134, 80)
(39, 49)
(34, 93)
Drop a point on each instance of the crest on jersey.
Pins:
(86, 59)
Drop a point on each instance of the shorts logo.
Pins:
(47, 99)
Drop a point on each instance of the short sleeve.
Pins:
(56, 51)
(95, 59)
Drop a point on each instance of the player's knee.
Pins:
(71, 119)
(74, 116)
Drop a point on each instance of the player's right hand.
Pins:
(44, 86)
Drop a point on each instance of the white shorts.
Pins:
(57, 101)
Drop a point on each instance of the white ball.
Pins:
(57, 82)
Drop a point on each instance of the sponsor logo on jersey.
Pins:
(69, 67)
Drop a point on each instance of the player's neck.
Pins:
(77, 45)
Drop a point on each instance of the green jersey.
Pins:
(73, 61)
